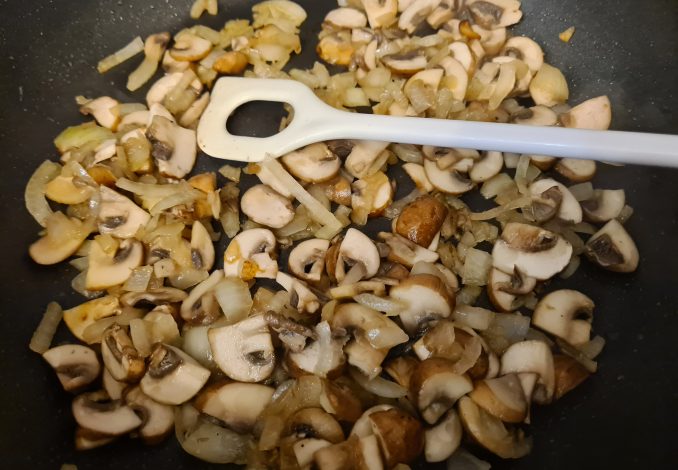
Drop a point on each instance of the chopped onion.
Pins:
(566, 348)
(497, 211)
(381, 304)
(231, 173)
(93, 332)
(138, 281)
(78, 285)
(533, 334)
(469, 294)
(234, 298)
(473, 317)
(584, 227)
(592, 348)
(379, 385)
(625, 214)
(34, 196)
(118, 57)
(521, 174)
(42, 337)
(571, 267)
(325, 350)
(197, 345)
(477, 266)
(185, 197)
(139, 334)
(582, 191)
(408, 153)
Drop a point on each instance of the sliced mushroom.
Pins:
(111, 269)
(612, 248)
(405, 252)
(435, 388)
(338, 456)
(502, 300)
(249, 255)
(68, 190)
(347, 18)
(418, 175)
(158, 419)
(546, 204)
(605, 205)
(536, 116)
(363, 426)
(339, 191)
(314, 423)
(415, 14)
(492, 14)
(190, 48)
(566, 314)
(357, 249)
(244, 351)
(533, 251)
(456, 77)
(118, 215)
(400, 435)
(576, 170)
(380, 13)
(86, 439)
(488, 166)
(339, 400)
(202, 247)
(443, 439)
(307, 260)
(491, 433)
(363, 159)
(76, 366)
(569, 374)
(238, 405)
(78, 318)
(595, 113)
(568, 209)
(104, 110)
(427, 299)
(265, 206)
(371, 195)
(324, 356)
(447, 181)
(401, 369)
(525, 49)
(159, 296)
(173, 377)
(531, 356)
(405, 63)
(314, 163)
(502, 397)
(549, 87)
(421, 220)
(542, 162)
(173, 147)
(120, 356)
(460, 51)
(97, 413)
(301, 296)
(63, 238)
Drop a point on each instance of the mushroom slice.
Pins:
(549, 87)
(400, 435)
(86, 439)
(401, 369)
(363, 426)
(305, 449)
(301, 296)
(491, 433)
(406, 63)
(363, 157)
(502, 397)
(173, 147)
(566, 314)
(595, 113)
(202, 247)
(371, 196)
(238, 405)
(78, 318)
(456, 77)
(525, 49)
(421, 220)
(379, 330)
(435, 388)
(190, 48)
(488, 166)
(244, 351)
(415, 14)
(533, 251)
(307, 260)
(405, 252)
(97, 413)
(68, 190)
(64, 236)
(450, 182)
(158, 419)
(612, 248)
(501, 299)
(118, 215)
(314, 163)
(443, 439)
(493, 14)
(292, 334)
(531, 356)
(360, 454)
(347, 18)
(576, 170)
(605, 205)
(545, 205)
(314, 423)
(265, 206)
(357, 249)
(104, 110)
(111, 269)
(536, 116)
(569, 374)
(249, 255)
(173, 377)
(426, 298)
(568, 209)
(76, 366)
(460, 51)
(542, 162)
(380, 13)
(120, 356)
(418, 175)
(337, 48)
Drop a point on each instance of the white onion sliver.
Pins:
(325, 354)
(496, 185)
(34, 196)
(476, 318)
(593, 348)
(386, 305)
(42, 337)
(138, 281)
(234, 298)
(521, 174)
(120, 56)
(197, 345)
(379, 385)
(571, 267)
(582, 191)
(477, 266)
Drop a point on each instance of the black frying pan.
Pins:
(624, 417)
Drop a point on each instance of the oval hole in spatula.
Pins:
(256, 119)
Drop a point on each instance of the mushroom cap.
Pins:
(426, 297)
(536, 116)
(489, 165)
(533, 251)
(64, 236)
(380, 13)
(566, 314)
(190, 47)
(421, 220)
(502, 397)
(405, 252)
(238, 405)
(534, 357)
(244, 351)
(76, 366)
(108, 270)
(415, 14)
(118, 215)
(605, 205)
(595, 114)
(314, 163)
(173, 377)
(357, 247)
(447, 181)
(360, 162)
(304, 450)
(158, 419)
(306, 300)
(120, 356)
(95, 412)
(346, 17)
(416, 172)
(525, 49)
(173, 147)
(363, 426)
(569, 209)
(612, 248)
(202, 247)
(400, 435)
(443, 439)
(502, 300)
(78, 318)
(265, 206)
(576, 170)
(113, 387)
(316, 423)
(379, 330)
(456, 77)
(307, 259)
(249, 255)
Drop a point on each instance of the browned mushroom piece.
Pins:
(502, 397)
(435, 388)
(76, 366)
(96, 412)
(158, 419)
(236, 404)
(400, 435)
(420, 220)
(426, 298)
(569, 374)
(612, 248)
(566, 314)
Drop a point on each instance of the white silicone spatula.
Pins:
(315, 121)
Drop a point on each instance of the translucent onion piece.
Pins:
(582, 191)
(118, 57)
(93, 332)
(592, 348)
(477, 266)
(473, 317)
(625, 214)
(43, 334)
(325, 354)
(497, 211)
(197, 345)
(234, 297)
(386, 305)
(496, 185)
(571, 267)
(34, 196)
(379, 385)
(138, 281)
(521, 174)
(588, 363)
(231, 173)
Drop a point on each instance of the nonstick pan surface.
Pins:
(623, 417)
